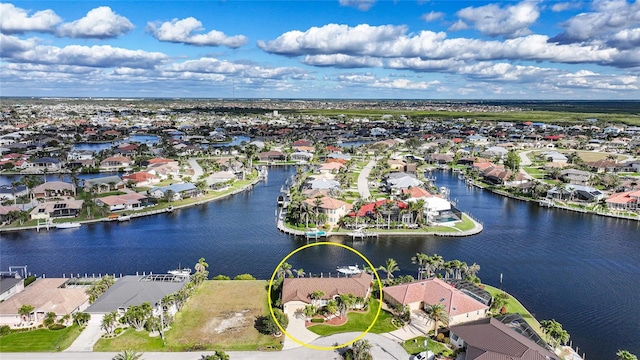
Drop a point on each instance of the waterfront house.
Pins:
(10, 284)
(179, 191)
(130, 201)
(219, 178)
(46, 164)
(45, 295)
(115, 163)
(301, 156)
(334, 209)
(296, 292)
(575, 176)
(625, 201)
(575, 192)
(164, 170)
(56, 209)
(419, 294)
(272, 155)
(141, 178)
(103, 184)
(53, 189)
(134, 290)
(5, 210)
(330, 168)
(489, 338)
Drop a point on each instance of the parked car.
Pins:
(425, 355)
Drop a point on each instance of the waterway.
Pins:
(579, 269)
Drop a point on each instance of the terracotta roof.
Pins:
(369, 208)
(327, 203)
(489, 339)
(299, 289)
(131, 198)
(624, 197)
(138, 176)
(46, 295)
(416, 192)
(435, 291)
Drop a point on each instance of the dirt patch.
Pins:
(231, 322)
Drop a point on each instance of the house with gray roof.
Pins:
(134, 290)
(180, 191)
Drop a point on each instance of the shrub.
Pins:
(28, 280)
(244, 277)
(317, 320)
(5, 330)
(57, 327)
(221, 277)
(440, 337)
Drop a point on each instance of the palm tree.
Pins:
(300, 272)
(316, 205)
(316, 295)
(625, 355)
(201, 266)
(285, 270)
(361, 349)
(128, 355)
(389, 268)
(438, 314)
(355, 208)
(421, 260)
(25, 312)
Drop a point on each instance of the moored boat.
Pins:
(349, 269)
(124, 217)
(68, 225)
(180, 271)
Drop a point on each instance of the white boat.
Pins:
(349, 269)
(124, 217)
(180, 271)
(68, 225)
(170, 208)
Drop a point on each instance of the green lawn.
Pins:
(359, 322)
(41, 340)
(515, 307)
(130, 339)
(416, 345)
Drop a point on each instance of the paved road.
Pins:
(363, 180)
(197, 170)
(383, 349)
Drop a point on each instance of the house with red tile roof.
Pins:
(370, 208)
(330, 168)
(141, 178)
(296, 292)
(627, 200)
(419, 294)
(130, 201)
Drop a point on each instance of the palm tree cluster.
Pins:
(436, 266)
(556, 335)
(100, 287)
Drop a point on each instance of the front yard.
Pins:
(40, 340)
(359, 321)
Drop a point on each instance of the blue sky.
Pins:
(422, 49)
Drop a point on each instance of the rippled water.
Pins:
(579, 269)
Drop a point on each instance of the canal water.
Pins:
(578, 269)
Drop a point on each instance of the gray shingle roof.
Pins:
(134, 290)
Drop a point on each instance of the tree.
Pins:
(49, 319)
(109, 322)
(128, 355)
(285, 270)
(81, 318)
(138, 315)
(315, 296)
(361, 349)
(25, 312)
(625, 355)
(217, 355)
(421, 260)
(309, 311)
(201, 266)
(168, 195)
(438, 314)
(512, 161)
(299, 272)
(269, 324)
(389, 268)
(554, 331)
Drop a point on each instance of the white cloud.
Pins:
(333, 38)
(591, 80)
(432, 16)
(511, 21)
(458, 25)
(609, 17)
(15, 20)
(99, 23)
(182, 31)
(362, 5)
(372, 81)
(564, 6)
(223, 67)
(29, 51)
(342, 61)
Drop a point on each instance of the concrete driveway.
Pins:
(88, 337)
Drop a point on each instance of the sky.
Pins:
(338, 49)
